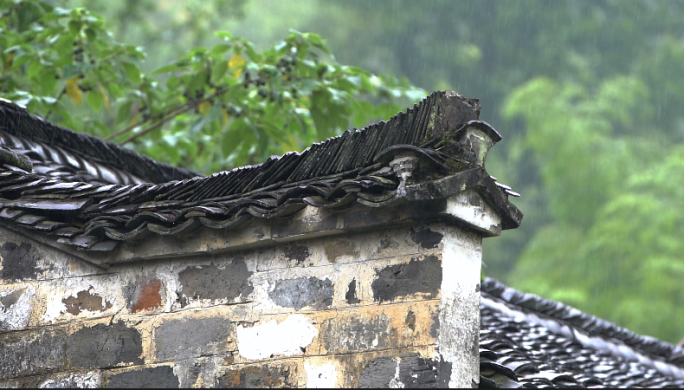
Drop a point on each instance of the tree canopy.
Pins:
(210, 109)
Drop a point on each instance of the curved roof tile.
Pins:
(94, 194)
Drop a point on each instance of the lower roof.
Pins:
(528, 341)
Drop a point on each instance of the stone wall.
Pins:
(392, 307)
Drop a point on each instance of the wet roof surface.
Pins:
(93, 194)
(529, 341)
(79, 156)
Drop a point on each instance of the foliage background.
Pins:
(588, 97)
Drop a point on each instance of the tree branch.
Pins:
(149, 118)
(47, 115)
(174, 112)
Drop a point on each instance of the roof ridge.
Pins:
(588, 323)
(427, 120)
(58, 190)
(419, 124)
(16, 121)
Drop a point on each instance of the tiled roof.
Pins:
(70, 156)
(529, 341)
(94, 194)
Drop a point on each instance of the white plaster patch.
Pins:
(88, 380)
(107, 288)
(320, 376)
(262, 286)
(286, 338)
(16, 316)
(459, 317)
(471, 208)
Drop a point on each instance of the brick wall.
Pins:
(390, 306)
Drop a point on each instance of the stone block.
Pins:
(342, 331)
(374, 368)
(358, 334)
(378, 327)
(148, 377)
(422, 275)
(198, 373)
(15, 307)
(271, 375)
(405, 372)
(31, 353)
(303, 292)
(216, 281)
(19, 261)
(103, 346)
(188, 337)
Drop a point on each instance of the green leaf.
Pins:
(47, 82)
(63, 47)
(74, 26)
(49, 100)
(123, 112)
(19, 60)
(24, 101)
(318, 42)
(218, 71)
(224, 34)
(61, 11)
(115, 90)
(167, 69)
(172, 82)
(230, 141)
(34, 68)
(220, 48)
(70, 71)
(132, 72)
(94, 99)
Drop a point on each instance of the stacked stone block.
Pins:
(358, 309)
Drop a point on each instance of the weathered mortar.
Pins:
(389, 306)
